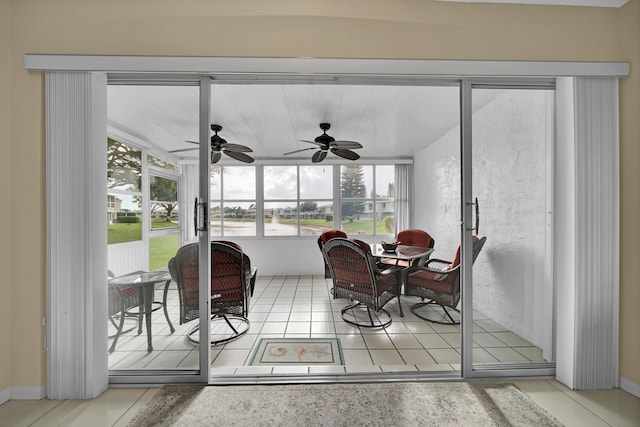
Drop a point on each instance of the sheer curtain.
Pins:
(189, 187)
(403, 196)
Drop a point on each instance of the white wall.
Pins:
(509, 160)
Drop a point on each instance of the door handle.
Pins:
(199, 216)
(477, 206)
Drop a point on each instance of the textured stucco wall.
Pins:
(509, 152)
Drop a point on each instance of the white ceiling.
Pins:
(389, 121)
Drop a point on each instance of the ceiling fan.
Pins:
(220, 145)
(327, 143)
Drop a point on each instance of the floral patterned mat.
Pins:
(308, 351)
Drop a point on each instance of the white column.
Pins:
(76, 111)
(586, 249)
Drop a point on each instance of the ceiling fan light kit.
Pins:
(325, 143)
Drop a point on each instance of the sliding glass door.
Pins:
(508, 228)
(150, 210)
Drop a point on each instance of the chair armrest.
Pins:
(437, 264)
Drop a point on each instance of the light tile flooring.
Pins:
(116, 407)
(302, 306)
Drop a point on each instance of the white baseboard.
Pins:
(630, 386)
(23, 393)
(5, 395)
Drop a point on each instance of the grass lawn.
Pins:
(161, 250)
(120, 233)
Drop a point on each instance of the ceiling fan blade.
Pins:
(238, 156)
(215, 156)
(182, 149)
(236, 148)
(312, 142)
(345, 154)
(193, 142)
(318, 156)
(346, 144)
(297, 151)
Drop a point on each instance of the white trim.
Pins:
(23, 393)
(321, 66)
(588, 3)
(629, 386)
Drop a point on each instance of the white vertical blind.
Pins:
(597, 233)
(76, 158)
(188, 193)
(403, 196)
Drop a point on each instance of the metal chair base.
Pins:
(360, 315)
(238, 329)
(436, 313)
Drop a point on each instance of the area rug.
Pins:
(307, 351)
(344, 404)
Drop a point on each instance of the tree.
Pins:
(308, 207)
(124, 166)
(352, 186)
(164, 193)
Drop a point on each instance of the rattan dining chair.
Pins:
(323, 239)
(438, 282)
(357, 278)
(232, 281)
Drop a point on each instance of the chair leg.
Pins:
(117, 335)
(358, 314)
(164, 306)
(434, 316)
(238, 330)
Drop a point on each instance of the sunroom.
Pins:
(454, 157)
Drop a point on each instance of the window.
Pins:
(233, 201)
(366, 194)
(124, 198)
(163, 195)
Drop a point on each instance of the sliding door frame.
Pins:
(288, 69)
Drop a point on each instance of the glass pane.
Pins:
(316, 182)
(359, 219)
(356, 182)
(215, 218)
(315, 217)
(161, 250)
(280, 182)
(239, 182)
(239, 219)
(280, 219)
(215, 183)
(164, 202)
(155, 161)
(124, 218)
(124, 167)
(512, 301)
(385, 207)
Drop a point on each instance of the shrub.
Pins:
(128, 219)
(328, 217)
(389, 224)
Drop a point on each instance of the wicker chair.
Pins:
(323, 239)
(413, 237)
(232, 282)
(121, 304)
(357, 278)
(439, 282)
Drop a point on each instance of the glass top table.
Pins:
(145, 282)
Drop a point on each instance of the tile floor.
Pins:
(302, 306)
(117, 406)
